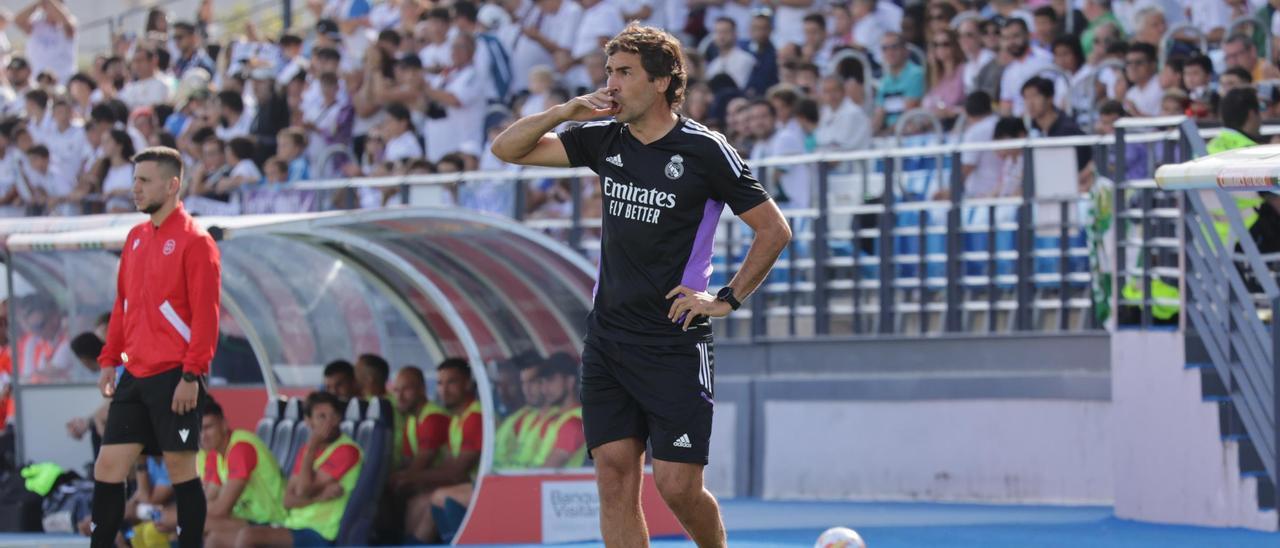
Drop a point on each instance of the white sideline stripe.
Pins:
(177, 323)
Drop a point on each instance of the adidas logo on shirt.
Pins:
(616, 160)
(683, 442)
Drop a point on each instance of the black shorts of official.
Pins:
(663, 394)
(141, 411)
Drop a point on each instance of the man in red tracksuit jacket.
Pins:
(163, 329)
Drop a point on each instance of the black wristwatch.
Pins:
(189, 376)
(726, 295)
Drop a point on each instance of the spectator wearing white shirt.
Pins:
(976, 56)
(492, 59)
(818, 45)
(68, 146)
(11, 204)
(730, 59)
(1210, 16)
(842, 124)
(545, 27)
(326, 122)
(13, 93)
(6, 48)
(740, 11)
(233, 121)
(51, 37)
(47, 192)
(402, 143)
(37, 113)
(113, 174)
(147, 88)
(601, 20)
(790, 185)
(1144, 95)
(433, 32)
(867, 26)
(981, 169)
(459, 93)
(788, 21)
(243, 170)
(1027, 62)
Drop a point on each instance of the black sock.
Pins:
(191, 513)
(108, 513)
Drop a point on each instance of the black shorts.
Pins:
(663, 394)
(141, 411)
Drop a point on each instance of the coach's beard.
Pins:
(151, 208)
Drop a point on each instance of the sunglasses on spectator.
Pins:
(1135, 61)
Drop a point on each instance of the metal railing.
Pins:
(1232, 314)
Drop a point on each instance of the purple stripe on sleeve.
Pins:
(697, 272)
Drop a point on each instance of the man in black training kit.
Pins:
(163, 329)
(647, 367)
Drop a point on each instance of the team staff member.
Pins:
(242, 479)
(324, 474)
(164, 329)
(648, 372)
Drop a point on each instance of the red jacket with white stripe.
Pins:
(167, 290)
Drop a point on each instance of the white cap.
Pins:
(492, 16)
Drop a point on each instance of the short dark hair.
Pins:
(977, 103)
(1202, 61)
(807, 109)
(84, 79)
(438, 13)
(295, 134)
(323, 398)
(327, 53)
(465, 9)
(167, 157)
(377, 365)
(231, 100)
(1015, 22)
(1241, 73)
(38, 150)
(1046, 11)
(816, 18)
(1071, 43)
(38, 96)
(410, 60)
(454, 158)
(560, 363)
(660, 56)
(1112, 107)
(389, 35)
(1236, 106)
(184, 26)
(457, 364)
(415, 372)
(241, 148)
(278, 163)
(1042, 85)
(204, 134)
(1240, 38)
(212, 409)
(729, 20)
(850, 67)
(1144, 49)
(86, 345)
(764, 103)
(339, 367)
(1009, 127)
(289, 39)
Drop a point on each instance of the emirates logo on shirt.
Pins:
(169, 246)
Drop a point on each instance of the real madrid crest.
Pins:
(675, 168)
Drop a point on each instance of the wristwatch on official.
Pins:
(189, 376)
(726, 295)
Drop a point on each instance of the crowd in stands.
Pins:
(359, 88)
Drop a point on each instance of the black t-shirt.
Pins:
(662, 202)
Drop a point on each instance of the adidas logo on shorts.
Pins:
(683, 442)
